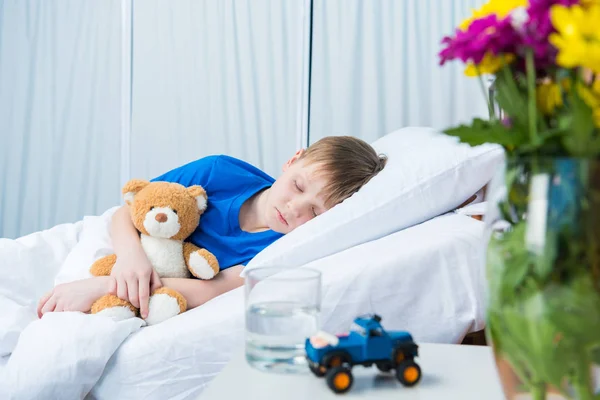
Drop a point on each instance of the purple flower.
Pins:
(523, 29)
(487, 34)
(539, 27)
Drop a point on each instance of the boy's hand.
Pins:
(136, 279)
(77, 295)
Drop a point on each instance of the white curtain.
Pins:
(60, 86)
(93, 93)
(375, 67)
(96, 92)
(216, 77)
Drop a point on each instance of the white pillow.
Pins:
(428, 173)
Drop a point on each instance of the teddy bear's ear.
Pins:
(200, 194)
(131, 188)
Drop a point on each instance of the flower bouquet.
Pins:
(543, 223)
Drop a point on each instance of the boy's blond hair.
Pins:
(346, 162)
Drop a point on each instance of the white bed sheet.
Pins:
(427, 279)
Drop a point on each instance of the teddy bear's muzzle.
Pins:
(161, 217)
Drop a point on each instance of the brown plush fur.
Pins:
(110, 300)
(189, 248)
(134, 186)
(166, 194)
(173, 293)
(104, 265)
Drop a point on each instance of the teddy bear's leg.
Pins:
(104, 265)
(113, 307)
(165, 303)
(201, 262)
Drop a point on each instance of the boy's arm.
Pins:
(198, 292)
(134, 274)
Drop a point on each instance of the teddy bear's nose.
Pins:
(161, 217)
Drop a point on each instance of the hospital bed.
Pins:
(427, 278)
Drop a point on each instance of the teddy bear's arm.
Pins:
(201, 263)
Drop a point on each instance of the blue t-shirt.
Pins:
(228, 182)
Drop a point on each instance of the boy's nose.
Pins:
(295, 209)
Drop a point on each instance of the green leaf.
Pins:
(481, 131)
(581, 127)
(544, 263)
(508, 263)
(595, 355)
(512, 100)
(576, 310)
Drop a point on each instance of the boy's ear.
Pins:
(292, 160)
(131, 188)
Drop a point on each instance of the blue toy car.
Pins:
(333, 356)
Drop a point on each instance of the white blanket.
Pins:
(426, 279)
(62, 355)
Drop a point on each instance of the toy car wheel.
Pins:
(384, 366)
(399, 357)
(339, 379)
(318, 370)
(336, 359)
(408, 373)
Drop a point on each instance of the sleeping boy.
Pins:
(248, 210)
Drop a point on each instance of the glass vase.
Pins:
(543, 269)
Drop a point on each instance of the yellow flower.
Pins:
(578, 36)
(499, 7)
(548, 97)
(489, 64)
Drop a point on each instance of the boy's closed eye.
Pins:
(301, 190)
(298, 186)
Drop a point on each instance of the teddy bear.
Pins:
(164, 214)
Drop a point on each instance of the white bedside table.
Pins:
(449, 372)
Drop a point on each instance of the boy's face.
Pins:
(296, 196)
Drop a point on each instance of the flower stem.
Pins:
(531, 106)
(488, 98)
(581, 380)
(538, 392)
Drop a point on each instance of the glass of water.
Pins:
(282, 310)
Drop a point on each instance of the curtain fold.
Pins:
(375, 67)
(215, 77)
(59, 111)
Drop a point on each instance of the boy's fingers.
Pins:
(155, 282)
(144, 294)
(42, 302)
(49, 306)
(122, 289)
(132, 291)
(112, 286)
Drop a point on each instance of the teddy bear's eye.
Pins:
(175, 211)
(151, 208)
